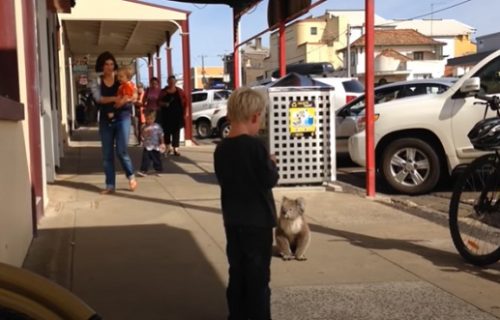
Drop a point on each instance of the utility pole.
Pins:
(432, 16)
(203, 78)
(348, 34)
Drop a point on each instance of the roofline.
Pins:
(160, 6)
(488, 35)
(344, 10)
(437, 43)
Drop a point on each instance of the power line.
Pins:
(440, 10)
(393, 22)
(201, 7)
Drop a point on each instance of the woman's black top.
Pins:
(171, 111)
(120, 113)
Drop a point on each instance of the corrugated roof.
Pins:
(398, 37)
(435, 27)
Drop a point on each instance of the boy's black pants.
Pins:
(249, 252)
(151, 156)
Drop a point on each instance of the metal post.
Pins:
(186, 77)
(150, 67)
(158, 64)
(282, 49)
(169, 54)
(72, 93)
(348, 34)
(369, 96)
(236, 55)
(138, 70)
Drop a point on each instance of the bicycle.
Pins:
(474, 212)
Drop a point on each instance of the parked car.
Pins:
(219, 123)
(418, 143)
(348, 121)
(204, 103)
(345, 89)
(310, 68)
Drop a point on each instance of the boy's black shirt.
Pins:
(246, 176)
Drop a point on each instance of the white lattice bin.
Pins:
(300, 131)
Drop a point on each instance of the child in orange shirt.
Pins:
(125, 93)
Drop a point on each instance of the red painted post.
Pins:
(158, 64)
(282, 49)
(33, 104)
(170, 70)
(236, 56)
(150, 67)
(186, 77)
(369, 96)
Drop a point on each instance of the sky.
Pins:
(211, 25)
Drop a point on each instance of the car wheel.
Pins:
(410, 166)
(224, 130)
(203, 129)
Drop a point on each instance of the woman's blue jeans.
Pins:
(113, 134)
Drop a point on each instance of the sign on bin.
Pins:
(302, 118)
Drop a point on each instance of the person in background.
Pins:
(172, 103)
(153, 144)
(246, 174)
(113, 130)
(152, 94)
(138, 119)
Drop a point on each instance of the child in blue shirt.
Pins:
(153, 143)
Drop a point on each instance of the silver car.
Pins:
(350, 118)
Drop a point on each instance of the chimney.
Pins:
(258, 43)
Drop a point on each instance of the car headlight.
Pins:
(361, 121)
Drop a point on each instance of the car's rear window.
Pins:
(353, 86)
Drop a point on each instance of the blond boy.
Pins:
(246, 174)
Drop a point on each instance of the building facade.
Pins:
(47, 52)
(456, 35)
(486, 44)
(31, 123)
(400, 54)
(206, 77)
(319, 39)
(253, 57)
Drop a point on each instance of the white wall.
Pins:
(449, 48)
(16, 219)
(433, 67)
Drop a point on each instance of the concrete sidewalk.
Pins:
(158, 253)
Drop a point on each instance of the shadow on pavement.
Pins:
(449, 262)
(133, 272)
(88, 160)
(130, 195)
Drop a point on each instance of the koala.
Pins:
(292, 234)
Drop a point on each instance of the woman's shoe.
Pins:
(176, 152)
(132, 184)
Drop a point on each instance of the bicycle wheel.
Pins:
(475, 212)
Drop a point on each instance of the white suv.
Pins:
(204, 103)
(344, 89)
(418, 139)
